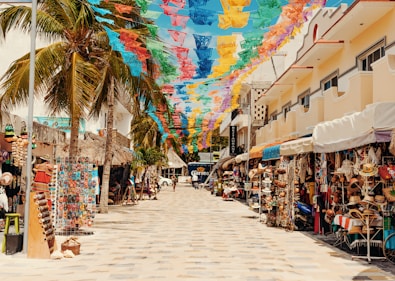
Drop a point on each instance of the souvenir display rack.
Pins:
(76, 200)
(41, 232)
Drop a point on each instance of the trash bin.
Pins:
(14, 243)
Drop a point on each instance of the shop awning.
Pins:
(298, 146)
(373, 124)
(221, 161)
(226, 165)
(256, 151)
(271, 152)
(241, 157)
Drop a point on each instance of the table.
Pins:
(347, 223)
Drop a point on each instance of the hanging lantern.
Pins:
(9, 133)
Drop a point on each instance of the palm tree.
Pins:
(66, 76)
(116, 78)
(78, 72)
(145, 158)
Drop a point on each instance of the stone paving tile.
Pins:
(191, 235)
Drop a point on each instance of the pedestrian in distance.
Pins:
(174, 179)
(195, 181)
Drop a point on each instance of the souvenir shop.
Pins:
(62, 193)
(337, 182)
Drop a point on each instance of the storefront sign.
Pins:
(201, 170)
(233, 140)
(61, 123)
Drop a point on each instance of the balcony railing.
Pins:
(355, 99)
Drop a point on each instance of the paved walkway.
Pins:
(192, 235)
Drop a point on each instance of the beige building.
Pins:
(344, 69)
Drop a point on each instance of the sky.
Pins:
(211, 30)
(19, 45)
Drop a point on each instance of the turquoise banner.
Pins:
(60, 123)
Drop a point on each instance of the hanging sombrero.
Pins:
(368, 170)
(6, 178)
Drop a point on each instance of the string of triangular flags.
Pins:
(202, 84)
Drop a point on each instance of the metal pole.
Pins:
(30, 122)
(248, 143)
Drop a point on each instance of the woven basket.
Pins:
(71, 244)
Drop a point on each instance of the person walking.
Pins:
(174, 179)
(195, 181)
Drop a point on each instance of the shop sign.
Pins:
(60, 123)
(201, 170)
(233, 140)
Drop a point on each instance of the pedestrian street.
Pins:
(192, 235)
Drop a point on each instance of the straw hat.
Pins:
(356, 214)
(355, 229)
(379, 198)
(267, 180)
(368, 212)
(261, 168)
(368, 169)
(353, 186)
(45, 157)
(368, 199)
(252, 173)
(354, 199)
(365, 230)
(6, 178)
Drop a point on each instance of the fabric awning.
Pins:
(226, 165)
(241, 157)
(371, 125)
(298, 146)
(256, 151)
(271, 152)
(222, 161)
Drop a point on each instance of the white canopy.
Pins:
(298, 146)
(241, 157)
(356, 129)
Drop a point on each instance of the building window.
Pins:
(304, 100)
(329, 82)
(273, 116)
(286, 108)
(373, 54)
(315, 32)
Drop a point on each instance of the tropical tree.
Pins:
(116, 81)
(145, 158)
(75, 74)
(66, 77)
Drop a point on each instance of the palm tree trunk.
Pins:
(74, 134)
(108, 154)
